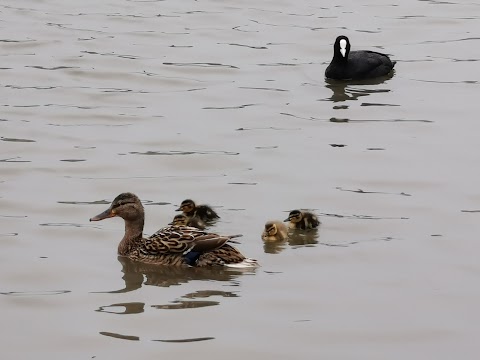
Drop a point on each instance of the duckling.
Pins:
(183, 220)
(171, 245)
(203, 212)
(302, 220)
(274, 231)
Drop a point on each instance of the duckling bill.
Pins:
(302, 220)
(202, 212)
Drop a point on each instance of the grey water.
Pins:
(225, 102)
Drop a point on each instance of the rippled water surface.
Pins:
(225, 102)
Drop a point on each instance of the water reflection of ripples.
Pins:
(137, 274)
(191, 303)
(125, 308)
(184, 304)
(137, 338)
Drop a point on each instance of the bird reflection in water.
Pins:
(137, 274)
(295, 238)
(344, 90)
(123, 308)
(274, 247)
(303, 237)
(139, 307)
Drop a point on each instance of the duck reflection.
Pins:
(191, 303)
(137, 274)
(295, 238)
(124, 308)
(274, 247)
(303, 237)
(346, 90)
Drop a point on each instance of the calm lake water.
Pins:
(225, 102)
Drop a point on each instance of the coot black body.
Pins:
(356, 65)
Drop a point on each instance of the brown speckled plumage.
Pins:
(169, 245)
(203, 212)
(302, 220)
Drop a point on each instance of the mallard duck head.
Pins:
(179, 220)
(126, 205)
(295, 216)
(187, 206)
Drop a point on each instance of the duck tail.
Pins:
(235, 236)
(247, 263)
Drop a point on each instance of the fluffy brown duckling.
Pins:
(203, 212)
(183, 220)
(171, 245)
(274, 231)
(302, 220)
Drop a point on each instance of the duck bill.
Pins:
(104, 215)
(287, 219)
(179, 209)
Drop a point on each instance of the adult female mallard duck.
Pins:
(302, 220)
(184, 220)
(203, 212)
(274, 231)
(171, 245)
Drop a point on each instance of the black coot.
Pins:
(356, 65)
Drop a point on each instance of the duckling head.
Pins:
(187, 206)
(271, 228)
(295, 216)
(126, 205)
(179, 220)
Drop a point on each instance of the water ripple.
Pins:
(202, 65)
(184, 304)
(16, 140)
(178, 152)
(128, 308)
(70, 225)
(97, 202)
(360, 191)
(51, 68)
(122, 56)
(261, 88)
(119, 336)
(363, 217)
(13, 160)
(35, 293)
(248, 46)
(227, 107)
(187, 340)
